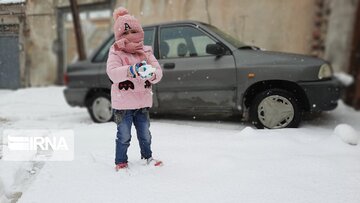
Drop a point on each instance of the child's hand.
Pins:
(146, 71)
(141, 69)
(133, 70)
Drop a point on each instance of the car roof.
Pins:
(175, 23)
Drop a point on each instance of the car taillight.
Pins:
(66, 79)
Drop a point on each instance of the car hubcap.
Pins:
(102, 109)
(275, 112)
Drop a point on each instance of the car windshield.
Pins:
(227, 37)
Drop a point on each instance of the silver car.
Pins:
(206, 72)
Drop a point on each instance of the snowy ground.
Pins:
(203, 161)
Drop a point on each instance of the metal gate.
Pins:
(9, 57)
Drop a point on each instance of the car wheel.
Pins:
(99, 107)
(275, 108)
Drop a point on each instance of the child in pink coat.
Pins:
(132, 68)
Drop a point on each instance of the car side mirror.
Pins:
(215, 49)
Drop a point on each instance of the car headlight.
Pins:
(325, 71)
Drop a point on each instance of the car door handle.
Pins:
(169, 65)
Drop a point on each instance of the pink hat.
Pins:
(124, 22)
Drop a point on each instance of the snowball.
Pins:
(347, 134)
(248, 131)
(344, 78)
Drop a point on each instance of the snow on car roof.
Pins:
(12, 1)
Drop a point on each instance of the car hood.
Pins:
(272, 58)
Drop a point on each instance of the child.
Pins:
(132, 68)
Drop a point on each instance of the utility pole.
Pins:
(353, 91)
(78, 31)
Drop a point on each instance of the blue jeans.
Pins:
(124, 120)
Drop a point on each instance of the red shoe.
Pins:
(121, 166)
(154, 162)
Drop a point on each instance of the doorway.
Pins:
(96, 26)
(9, 57)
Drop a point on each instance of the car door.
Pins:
(193, 81)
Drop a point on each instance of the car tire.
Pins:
(99, 107)
(274, 109)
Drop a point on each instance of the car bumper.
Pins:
(322, 95)
(75, 96)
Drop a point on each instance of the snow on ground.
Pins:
(209, 161)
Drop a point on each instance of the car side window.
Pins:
(149, 36)
(102, 55)
(183, 41)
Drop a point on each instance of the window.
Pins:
(149, 37)
(102, 55)
(185, 41)
(200, 43)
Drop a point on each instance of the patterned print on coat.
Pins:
(126, 85)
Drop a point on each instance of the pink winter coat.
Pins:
(117, 69)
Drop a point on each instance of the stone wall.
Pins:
(41, 25)
(40, 59)
(279, 25)
(339, 35)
